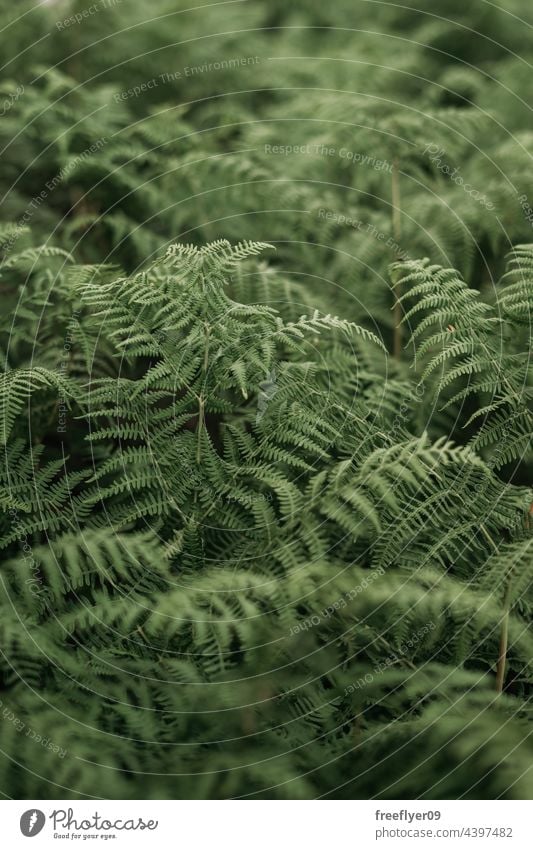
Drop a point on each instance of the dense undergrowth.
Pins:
(267, 290)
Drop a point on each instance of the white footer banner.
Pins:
(267, 824)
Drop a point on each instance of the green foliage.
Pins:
(266, 403)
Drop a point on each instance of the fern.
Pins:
(266, 479)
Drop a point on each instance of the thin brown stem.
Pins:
(504, 625)
(397, 234)
(201, 398)
(206, 350)
(201, 423)
(504, 641)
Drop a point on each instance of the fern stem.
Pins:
(397, 234)
(201, 422)
(504, 641)
(504, 626)
(201, 399)
(504, 638)
(206, 350)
